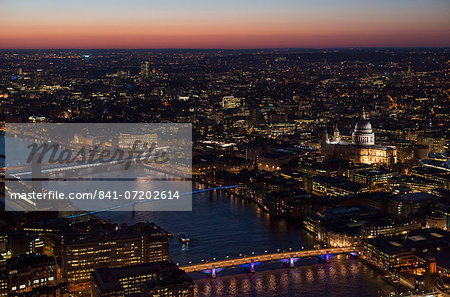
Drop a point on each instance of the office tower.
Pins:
(145, 69)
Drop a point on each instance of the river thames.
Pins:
(221, 224)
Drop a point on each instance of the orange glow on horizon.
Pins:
(27, 24)
(62, 40)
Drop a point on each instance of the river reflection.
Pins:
(342, 277)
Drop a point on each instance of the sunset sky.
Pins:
(223, 24)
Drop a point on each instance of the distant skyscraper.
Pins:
(145, 69)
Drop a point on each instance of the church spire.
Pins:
(325, 135)
(336, 133)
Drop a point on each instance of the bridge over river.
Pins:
(59, 167)
(249, 262)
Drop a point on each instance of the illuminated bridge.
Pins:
(249, 262)
(19, 171)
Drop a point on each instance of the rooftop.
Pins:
(108, 279)
(416, 240)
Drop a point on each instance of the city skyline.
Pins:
(234, 24)
(313, 172)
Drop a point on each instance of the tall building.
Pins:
(145, 69)
(82, 253)
(362, 149)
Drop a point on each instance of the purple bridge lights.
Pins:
(326, 257)
(213, 271)
(290, 261)
(250, 267)
(249, 263)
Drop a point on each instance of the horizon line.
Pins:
(235, 48)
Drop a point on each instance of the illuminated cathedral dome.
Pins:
(363, 134)
(363, 125)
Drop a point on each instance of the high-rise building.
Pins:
(145, 69)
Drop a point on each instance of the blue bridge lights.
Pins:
(250, 266)
(139, 202)
(288, 259)
(213, 271)
(326, 257)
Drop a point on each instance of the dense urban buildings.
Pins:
(351, 145)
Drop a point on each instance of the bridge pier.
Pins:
(213, 271)
(252, 266)
(325, 258)
(291, 261)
